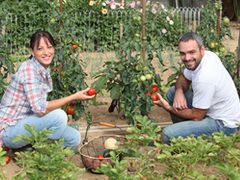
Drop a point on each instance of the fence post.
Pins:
(238, 56)
(143, 31)
(219, 17)
(61, 5)
(121, 25)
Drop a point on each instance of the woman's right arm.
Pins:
(54, 104)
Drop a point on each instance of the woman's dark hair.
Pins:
(35, 39)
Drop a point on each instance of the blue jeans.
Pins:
(55, 120)
(182, 127)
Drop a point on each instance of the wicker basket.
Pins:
(90, 150)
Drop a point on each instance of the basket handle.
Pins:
(101, 124)
(106, 124)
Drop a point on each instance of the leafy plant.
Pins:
(134, 159)
(125, 78)
(184, 155)
(6, 67)
(68, 75)
(143, 133)
(116, 169)
(2, 162)
(48, 160)
(209, 20)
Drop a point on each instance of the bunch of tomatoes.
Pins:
(153, 92)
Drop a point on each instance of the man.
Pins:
(213, 103)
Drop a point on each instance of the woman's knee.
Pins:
(76, 139)
(59, 116)
(72, 137)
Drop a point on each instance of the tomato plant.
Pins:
(67, 73)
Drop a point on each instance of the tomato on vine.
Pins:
(143, 78)
(70, 109)
(155, 88)
(148, 76)
(148, 93)
(154, 97)
(91, 91)
(74, 46)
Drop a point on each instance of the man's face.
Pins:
(191, 54)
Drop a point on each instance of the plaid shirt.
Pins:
(26, 93)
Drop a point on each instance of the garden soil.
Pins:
(100, 112)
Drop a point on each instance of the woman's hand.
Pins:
(82, 95)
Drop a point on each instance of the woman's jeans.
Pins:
(55, 120)
(183, 127)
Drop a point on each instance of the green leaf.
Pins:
(100, 83)
(116, 92)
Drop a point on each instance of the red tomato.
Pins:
(154, 88)
(74, 46)
(70, 110)
(100, 156)
(7, 159)
(91, 91)
(154, 97)
(148, 93)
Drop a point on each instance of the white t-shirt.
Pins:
(214, 89)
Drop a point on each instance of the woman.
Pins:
(25, 99)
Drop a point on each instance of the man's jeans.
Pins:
(183, 127)
(55, 120)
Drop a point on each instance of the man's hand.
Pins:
(162, 103)
(179, 102)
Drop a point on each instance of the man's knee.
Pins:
(167, 135)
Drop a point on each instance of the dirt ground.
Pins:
(100, 112)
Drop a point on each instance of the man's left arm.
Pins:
(195, 114)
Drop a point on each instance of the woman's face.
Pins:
(44, 52)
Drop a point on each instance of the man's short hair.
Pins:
(191, 36)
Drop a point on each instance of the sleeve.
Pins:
(203, 95)
(34, 90)
(187, 74)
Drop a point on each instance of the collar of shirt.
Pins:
(45, 73)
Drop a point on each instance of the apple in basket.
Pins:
(111, 143)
